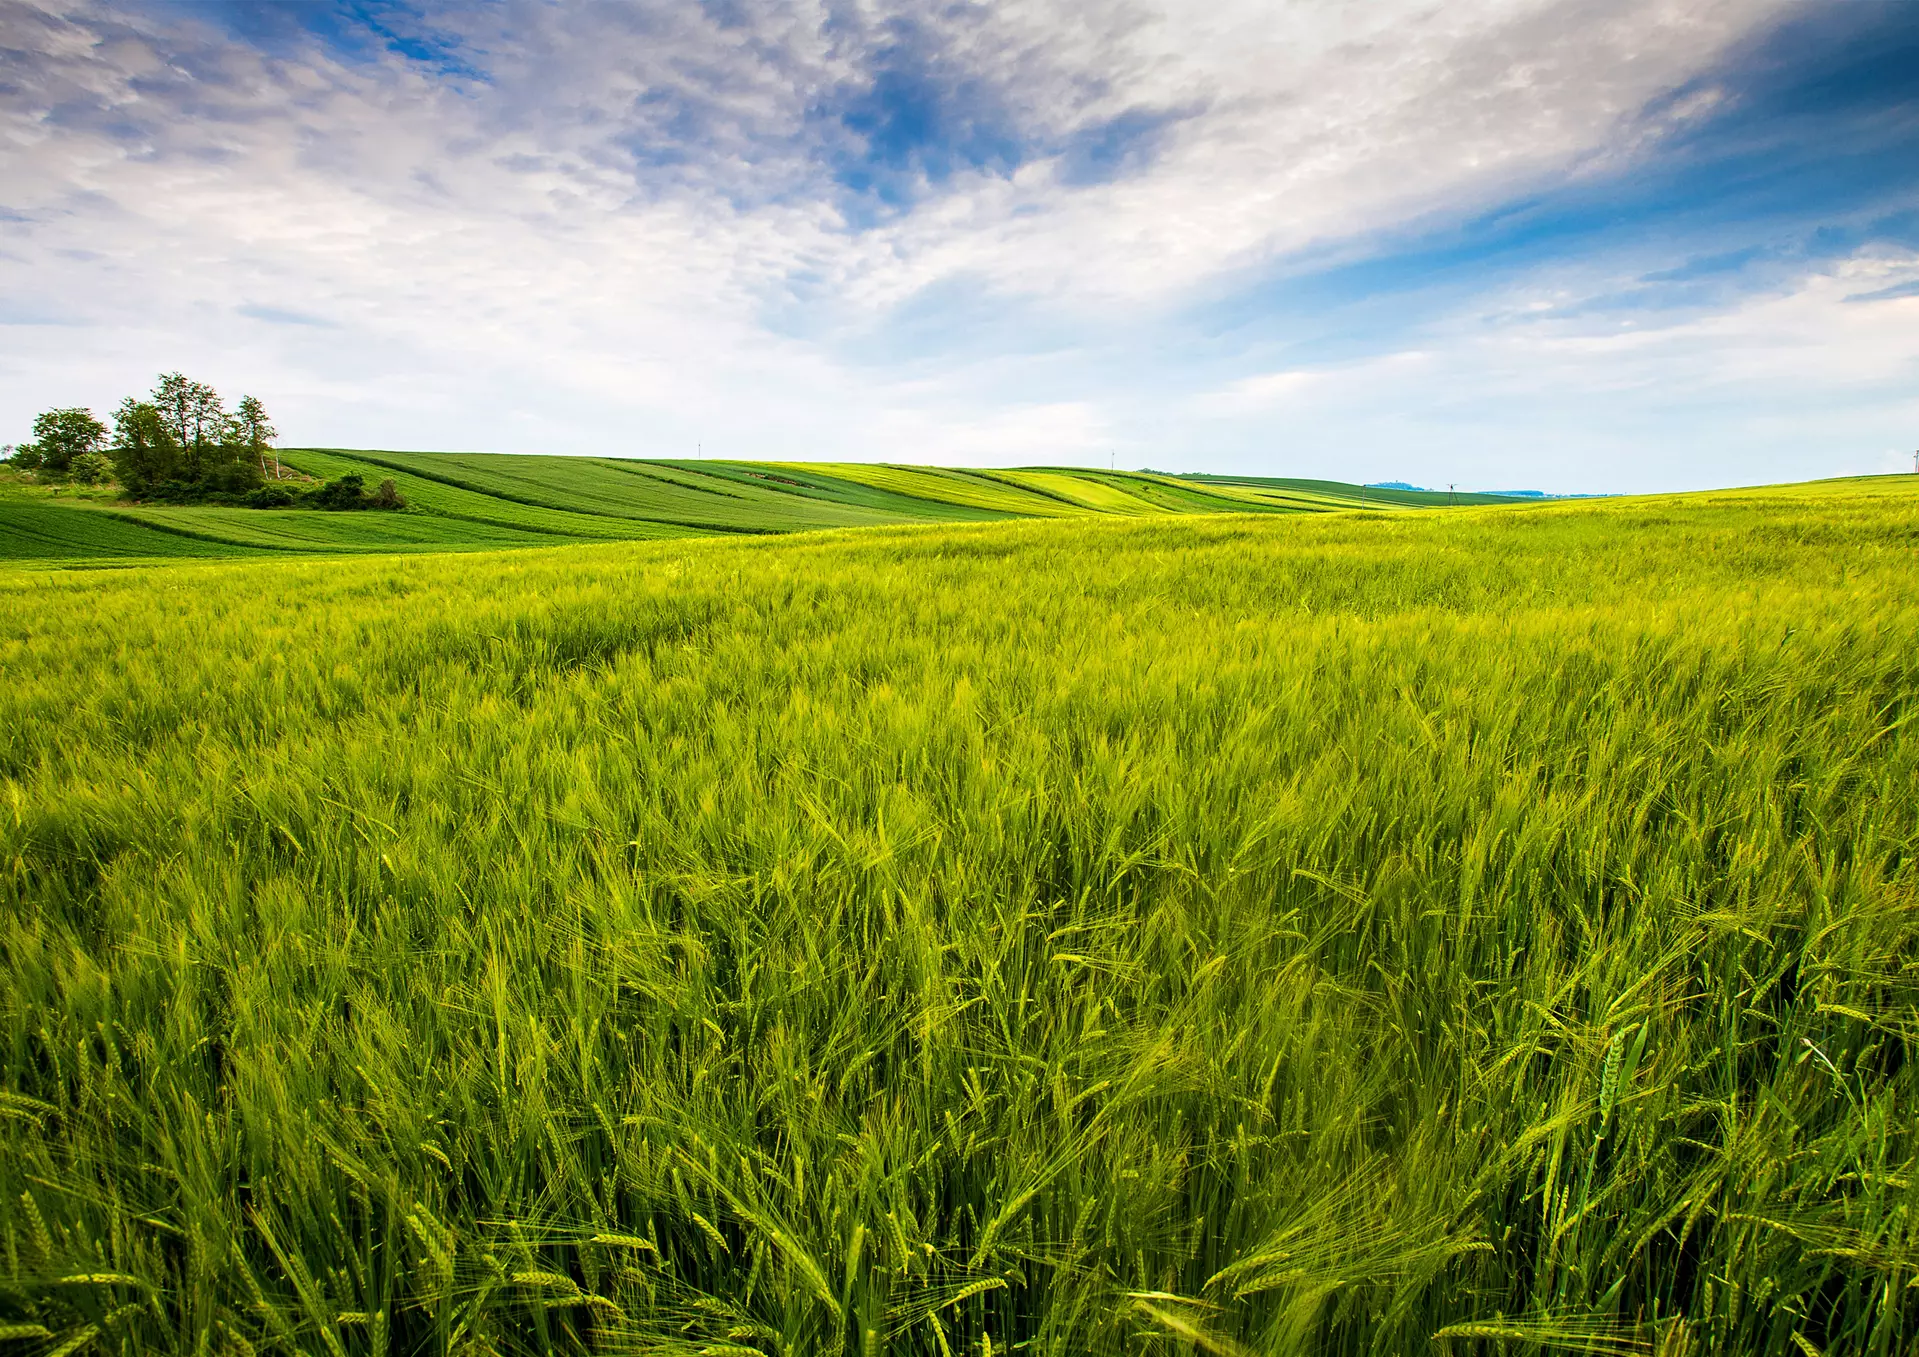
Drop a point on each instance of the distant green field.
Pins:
(1134, 932)
(476, 501)
(34, 530)
(1339, 492)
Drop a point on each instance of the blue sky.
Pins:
(1585, 246)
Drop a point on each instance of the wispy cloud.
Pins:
(1027, 232)
(1887, 294)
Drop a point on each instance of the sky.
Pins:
(1566, 245)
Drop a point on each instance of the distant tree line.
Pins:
(181, 445)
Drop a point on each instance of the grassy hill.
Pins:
(475, 501)
(1480, 932)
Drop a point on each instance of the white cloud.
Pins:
(1795, 384)
(581, 253)
(1259, 392)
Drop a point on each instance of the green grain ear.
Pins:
(1208, 934)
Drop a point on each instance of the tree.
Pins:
(90, 468)
(173, 400)
(193, 415)
(145, 451)
(255, 434)
(59, 437)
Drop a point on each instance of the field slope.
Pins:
(1479, 932)
(486, 501)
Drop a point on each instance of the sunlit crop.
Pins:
(1492, 931)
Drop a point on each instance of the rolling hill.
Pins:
(488, 501)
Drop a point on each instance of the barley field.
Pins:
(1487, 932)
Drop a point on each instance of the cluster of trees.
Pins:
(66, 447)
(181, 445)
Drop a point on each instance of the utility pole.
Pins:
(1449, 494)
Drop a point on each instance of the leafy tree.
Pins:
(90, 468)
(194, 416)
(178, 398)
(146, 454)
(59, 437)
(253, 432)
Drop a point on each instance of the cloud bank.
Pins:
(1537, 243)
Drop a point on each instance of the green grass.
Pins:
(34, 531)
(482, 502)
(992, 494)
(652, 495)
(430, 493)
(1483, 932)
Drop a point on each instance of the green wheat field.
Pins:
(1049, 913)
(492, 501)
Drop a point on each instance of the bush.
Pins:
(272, 497)
(349, 492)
(232, 480)
(176, 491)
(91, 468)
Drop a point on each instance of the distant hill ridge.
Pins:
(1503, 494)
